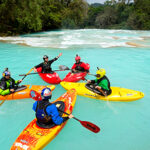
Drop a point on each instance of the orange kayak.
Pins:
(21, 94)
(34, 137)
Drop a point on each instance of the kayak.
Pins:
(24, 91)
(118, 93)
(75, 77)
(34, 137)
(51, 78)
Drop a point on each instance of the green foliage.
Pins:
(109, 17)
(24, 16)
(120, 14)
(75, 14)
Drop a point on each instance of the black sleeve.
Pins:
(3, 85)
(93, 81)
(39, 65)
(52, 60)
(65, 118)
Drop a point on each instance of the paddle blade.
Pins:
(90, 126)
(35, 95)
(63, 67)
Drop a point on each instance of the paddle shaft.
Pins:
(69, 114)
(40, 72)
(88, 125)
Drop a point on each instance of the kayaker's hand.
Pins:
(35, 70)
(73, 70)
(88, 81)
(88, 73)
(60, 54)
(70, 116)
(20, 81)
(12, 90)
(98, 87)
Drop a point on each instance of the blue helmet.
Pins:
(46, 93)
(6, 73)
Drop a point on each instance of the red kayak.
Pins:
(75, 77)
(52, 78)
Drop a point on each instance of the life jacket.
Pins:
(7, 83)
(41, 114)
(104, 78)
(46, 67)
(78, 67)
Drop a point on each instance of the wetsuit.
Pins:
(81, 66)
(47, 113)
(46, 66)
(104, 84)
(6, 85)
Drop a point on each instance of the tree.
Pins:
(106, 19)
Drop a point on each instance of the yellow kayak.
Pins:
(34, 137)
(118, 93)
(24, 92)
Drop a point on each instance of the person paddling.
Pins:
(102, 82)
(46, 112)
(46, 65)
(79, 66)
(7, 83)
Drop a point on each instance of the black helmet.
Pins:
(45, 56)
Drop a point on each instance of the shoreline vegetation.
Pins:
(29, 16)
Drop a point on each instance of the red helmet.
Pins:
(77, 57)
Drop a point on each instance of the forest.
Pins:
(28, 16)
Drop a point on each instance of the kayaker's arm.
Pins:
(74, 65)
(93, 81)
(4, 92)
(3, 85)
(34, 106)
(39, 65)
(51, 61)
(53, 112)
(104, 85)
(83, 65)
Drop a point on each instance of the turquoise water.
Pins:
(126, 57)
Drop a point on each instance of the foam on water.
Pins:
(82, 38)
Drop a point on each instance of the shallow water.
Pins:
(126, 57)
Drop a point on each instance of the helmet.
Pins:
(46, 93)
(77, 57)
(100, 73)
(45, 56)
(6, 73)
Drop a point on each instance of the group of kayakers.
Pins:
(46, 111)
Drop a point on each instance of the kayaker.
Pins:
(102, 82)
(8, 84)
(46, 112)
(46, 65)
(79, 66)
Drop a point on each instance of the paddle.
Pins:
(88, 125)
(97, 89)
(43, 73)
(63, 67)
(17, 85)
(26, 74)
